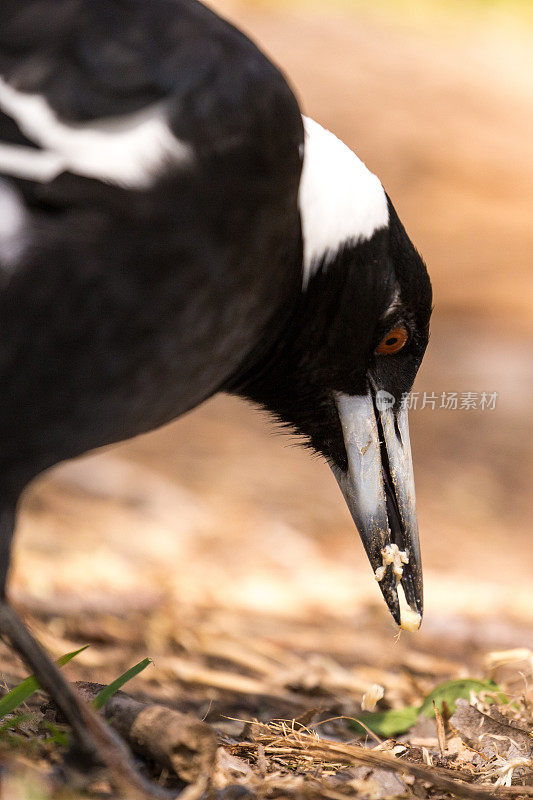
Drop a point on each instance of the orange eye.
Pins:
(393, 341)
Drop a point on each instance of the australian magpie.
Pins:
(172, 227)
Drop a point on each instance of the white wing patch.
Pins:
(340, 199)
(130, 151)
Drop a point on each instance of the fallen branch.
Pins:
(175, 741)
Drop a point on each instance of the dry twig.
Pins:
(173, 740)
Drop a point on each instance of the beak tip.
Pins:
(410, 613)
(406, 608)
(410, 620)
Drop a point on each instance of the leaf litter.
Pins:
(280, 721)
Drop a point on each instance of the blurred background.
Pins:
(218, 522)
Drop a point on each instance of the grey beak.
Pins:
(380, 493)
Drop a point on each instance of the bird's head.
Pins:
(354, 342)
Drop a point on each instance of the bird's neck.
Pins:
(269, 346)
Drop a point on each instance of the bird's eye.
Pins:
(393, 341)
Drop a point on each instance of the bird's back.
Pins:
(150, 158)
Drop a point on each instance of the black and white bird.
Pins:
(172, 227)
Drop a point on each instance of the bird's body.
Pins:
(150, 293)
(171, 227)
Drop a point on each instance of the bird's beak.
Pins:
(380, 492)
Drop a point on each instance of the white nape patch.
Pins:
(340, 199)
(130, 150)
(13, 225)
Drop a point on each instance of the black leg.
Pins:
(95, 742)
(94, 739)
(15, 632)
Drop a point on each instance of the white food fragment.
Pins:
(370, 698)
(409, 620)
(392, 555)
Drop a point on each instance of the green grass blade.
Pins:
(57, 736)
(105, 694)
(19, 694)
(388, 723)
